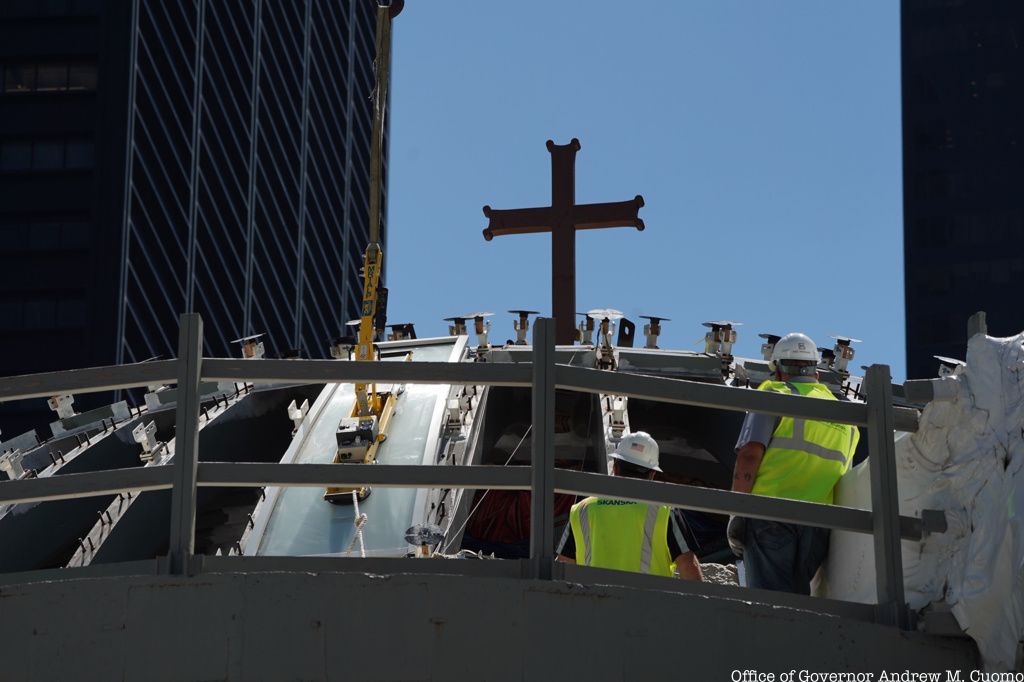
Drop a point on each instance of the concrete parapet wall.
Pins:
(353, 626)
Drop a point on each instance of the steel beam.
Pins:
(246, 475)
(542, 510)
(321, 371)
(885, 505)
(89, 484)
(89, 380)
(186, 443)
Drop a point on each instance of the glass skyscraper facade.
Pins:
(158, 157)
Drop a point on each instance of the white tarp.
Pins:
(966, 459)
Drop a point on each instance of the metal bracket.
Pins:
(617, 416)
(252, 347)
(341, 347)
(653, 329)
(627, 332)
(10, 463)
(76, 422)
(457, 326)
(950, 367)
(720, 340)
(298, 413)
(145, 435)
(25, 442)
(169, 396)
(605, 333)
(482, 328)
(768, 347)
(402, 332)
(586, 330)
(522, 325)
(61, 404)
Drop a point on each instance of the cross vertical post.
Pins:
(563, 218)
(563, 239)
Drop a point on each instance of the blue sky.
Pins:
(763, 136)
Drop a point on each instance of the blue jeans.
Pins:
(783, 556)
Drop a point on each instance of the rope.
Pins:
(359, 521)
(480, 501)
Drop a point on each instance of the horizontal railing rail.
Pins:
(86, 484)
(333, 371)
(89, 380)
(185, 473)
(476, 477)
(244, 475)
(661, 389)
(684, 392)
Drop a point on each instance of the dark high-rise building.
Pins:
(963, 169)
(158, 157)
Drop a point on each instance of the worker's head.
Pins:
(636, 456)
(794, 355)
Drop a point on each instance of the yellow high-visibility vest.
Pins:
(627, 536)
(805, 458)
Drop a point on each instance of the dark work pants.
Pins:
(783, 556)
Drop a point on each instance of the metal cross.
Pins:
(562, 218)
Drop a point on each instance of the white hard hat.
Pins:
(795, 347)
(638, 448)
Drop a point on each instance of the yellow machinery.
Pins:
(360, 434)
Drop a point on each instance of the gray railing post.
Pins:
(542, 507)
(186, 442)
(885, 502)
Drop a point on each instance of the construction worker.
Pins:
(797, 459)
(630, 536)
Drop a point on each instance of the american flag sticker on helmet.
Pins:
(639, 447)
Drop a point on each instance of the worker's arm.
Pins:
(748, 461)
(561, 558)
(689, 569)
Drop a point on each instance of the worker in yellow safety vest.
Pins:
(792, 458)
(630, 536)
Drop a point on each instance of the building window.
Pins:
(82, 77)
(20, 78)
(15, 155)
(47, 155)
(80, 154)
(46, 233)
(44, 314)
(49, 77)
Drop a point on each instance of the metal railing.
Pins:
(185, 474)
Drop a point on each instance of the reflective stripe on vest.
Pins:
(626, 536)
(805, 458)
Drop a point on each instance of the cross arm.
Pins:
(610, 214)
(517, 221)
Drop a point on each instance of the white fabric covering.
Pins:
(966, 459)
